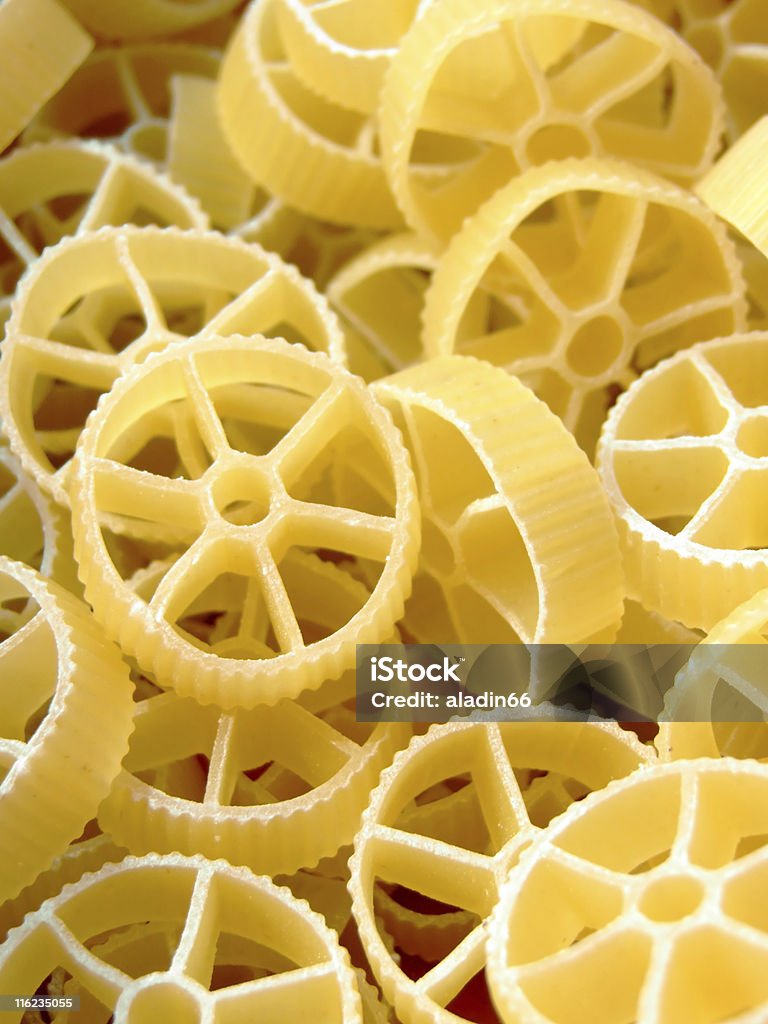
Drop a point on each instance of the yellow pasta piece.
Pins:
(80, 857)
(94, 305)
(33, 529)
(41, 45)
(284, 786)
(682, 459)
(509, 87)
(241, 948)
(58, 676)
(589, 271)
(730, 36)
(123, 94)
(718, 706)
(342, 50)
(644, 902)
(319, 248)
(379, 297)
(514, 522)
(58, 188)
(735, 189)
(142, 19)
(467, 871)
(315, 156)
(640, 626)
(236, 502)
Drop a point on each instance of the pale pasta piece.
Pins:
(462, 865)
(275, 789)
(143, 19)
(590, 271)
(41, 45)
(96, 304)
(342, 50)
(123, 94)
(682, 458)
(58, 188)
(60, 680)
(504, 88)
(505, 492)
(238, 495)
(316, 156)
(718, 706)
(33, 529)
(379, 298)
(644, 902)
(218, 920)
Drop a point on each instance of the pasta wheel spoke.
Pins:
(189, 575)
(444, 982)
(304, 442)
(142, 501)
(453, 875)
(341, 529)
(15, 240)
(281, 612)
(274, 999)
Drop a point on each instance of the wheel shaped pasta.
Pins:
(218, 921)
(94, 305)
(682, 458)
(457, 848)
(58, 676)
(499, 88)
(578, 275)
(249, 427)
(644, 902)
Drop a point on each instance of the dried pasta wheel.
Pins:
(275, 788)
(58, 675)
(80, 857)
(142, 19)
(518, 542)
(41, 45)
(644, 902)
(682, 460)
(55, 189)
(718, 706)
(730, 36)
(316, 156)
(379, 298)
(589, 271)
(735, 189)
(123, 94)
(254, 425)
(33, 530)
(96, 304)
(243, 948)
(319, 248)
(519, 85)
(343, 49)
(640, 626)
(461, 860)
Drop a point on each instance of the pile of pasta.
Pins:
(332, 322)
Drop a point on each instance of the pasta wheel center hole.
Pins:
(161, 999)
(671, 898)
(753, 437)
(436, 549)
(241, 495)
(556, 142)
(595, 346)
